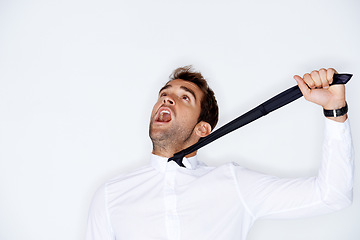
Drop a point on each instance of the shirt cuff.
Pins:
(335, 129)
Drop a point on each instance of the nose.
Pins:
(168, 100)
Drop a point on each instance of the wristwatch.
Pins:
(336, 112)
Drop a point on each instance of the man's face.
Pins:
(176, 113)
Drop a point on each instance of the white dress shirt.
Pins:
(165, 201)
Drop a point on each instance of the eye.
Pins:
(163, 94)
(186, 98)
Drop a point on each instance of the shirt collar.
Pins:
(162, 164)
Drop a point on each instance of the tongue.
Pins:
(164, 117)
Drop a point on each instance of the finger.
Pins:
(308, 80)
(305, 90)
(330, 74)
(316, 78)
(323, 78)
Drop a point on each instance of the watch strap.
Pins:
(336, 112)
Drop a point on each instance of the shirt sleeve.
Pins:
(99, 227)
(267, 196)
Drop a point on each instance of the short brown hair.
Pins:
(209, 108)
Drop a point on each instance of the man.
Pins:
(165, 201)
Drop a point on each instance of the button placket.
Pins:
(171, 215)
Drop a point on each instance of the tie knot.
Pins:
(178, 157)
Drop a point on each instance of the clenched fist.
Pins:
(315, 88)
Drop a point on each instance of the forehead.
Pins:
(179, 83)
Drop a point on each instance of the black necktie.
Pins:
(266, 107)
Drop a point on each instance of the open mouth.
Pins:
(164, 115)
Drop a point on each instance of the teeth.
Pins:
(165, 111)
(161, 117)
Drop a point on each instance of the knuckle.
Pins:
(314, 73)
(322, 70)
(306, 76)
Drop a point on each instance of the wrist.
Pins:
(338, 119)
(338, 114)
(335, 105)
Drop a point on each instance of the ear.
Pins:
(202, 129)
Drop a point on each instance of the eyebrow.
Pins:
(182, 87)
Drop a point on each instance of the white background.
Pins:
(78, 80)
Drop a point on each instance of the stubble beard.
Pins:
(172, 139)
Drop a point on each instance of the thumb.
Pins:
(305, 90)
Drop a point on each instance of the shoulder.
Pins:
(229, 169)
(130, 176)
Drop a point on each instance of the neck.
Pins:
(169, 152)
